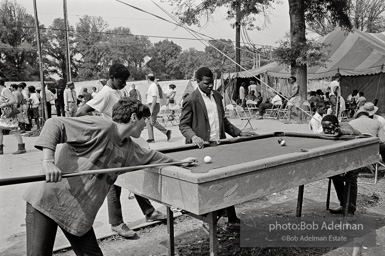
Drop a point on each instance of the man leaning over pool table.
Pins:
(203, 120)
(331, 126)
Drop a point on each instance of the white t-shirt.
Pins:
(253, 87)
(315, 124)
(151, 92)
(276, 100)
(105, 99)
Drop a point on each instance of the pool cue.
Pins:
(41, 177)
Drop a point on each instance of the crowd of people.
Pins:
(115, 119)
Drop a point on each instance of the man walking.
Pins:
(154, 95)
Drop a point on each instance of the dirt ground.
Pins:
(191, 240)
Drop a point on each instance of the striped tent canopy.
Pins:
(351, 54)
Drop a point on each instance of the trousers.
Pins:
(154, 123)
(41, 234)
(339, 183)
(115, 215)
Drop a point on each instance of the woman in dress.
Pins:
(7, 121)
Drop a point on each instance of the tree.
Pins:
(128, 49)
(163, 60)
(17, 43)
(220, 62)
(92, 46)
(306, 10)
(189, 61)
(365, 15)
(368, 15)
(54, 49)
(299, 11)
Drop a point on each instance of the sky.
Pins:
(117, 14)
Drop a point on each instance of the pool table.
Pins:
(246, 168)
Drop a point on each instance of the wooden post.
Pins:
(300, 201)
(238, 36)
(45, 114)
(68, 56)
(170, 231)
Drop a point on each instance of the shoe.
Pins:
(156, 216)
(124, 231)
(338, 210)
(168, 134)
(233, 226)
(150, 141)
(20, 150)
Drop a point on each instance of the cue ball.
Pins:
(283, 143)
(207, 159)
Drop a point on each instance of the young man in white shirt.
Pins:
(154, 96)
(103, 102)
(315, 122)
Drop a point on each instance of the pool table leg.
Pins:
(212, 221)
(328, 195)
(170, 231)
(299, 201)
(346, 194)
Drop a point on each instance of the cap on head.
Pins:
(370, 108)
(329, 124)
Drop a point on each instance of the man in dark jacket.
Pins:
(203, 120)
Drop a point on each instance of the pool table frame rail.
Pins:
(202, 193)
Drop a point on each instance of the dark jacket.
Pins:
(194, 119)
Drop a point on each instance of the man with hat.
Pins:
(70, 100)
(371, 109)
(331, 126)
(366, 123)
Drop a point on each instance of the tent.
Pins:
(359, 57)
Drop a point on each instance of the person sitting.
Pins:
(275, 102)
(251, 96)
(331, 126)
(294, 102)
(372, 110)
(319, 95)
(313, 101)
(360, 100)
(367, 125)
(259, 99)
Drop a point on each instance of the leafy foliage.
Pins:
(163, 63)
(192, 14)
(54, 49)
(17, 42)
(310, 53)
(92, 46)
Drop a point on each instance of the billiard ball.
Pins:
(283, 143)
(207, 159)
(279, 141)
